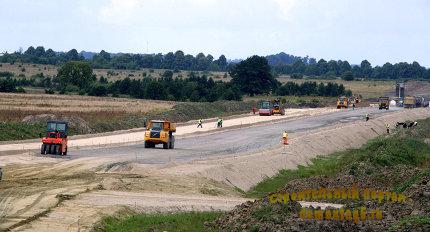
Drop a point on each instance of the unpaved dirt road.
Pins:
(236, 141)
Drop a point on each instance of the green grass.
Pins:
(379, 152)
(192, 221)
(408, 183)
(411, 222)
(17, 131)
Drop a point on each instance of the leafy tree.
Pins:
(252, 76)
(366, 69)
(348, 76)
(222, 63)
(155, 90)
(76, 73)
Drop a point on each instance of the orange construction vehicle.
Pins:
(160, 132)
(55, 140)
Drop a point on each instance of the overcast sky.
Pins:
(353, 30)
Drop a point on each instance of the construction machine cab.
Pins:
(57, 129)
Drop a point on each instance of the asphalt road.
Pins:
(237, 141)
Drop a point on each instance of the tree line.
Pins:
(343, 69)
(281, 63)
(174, 61)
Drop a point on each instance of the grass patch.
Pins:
(408, 183)
(20, 131)
(190, 221)
(412, 223)
(14, 131)
(379, 152)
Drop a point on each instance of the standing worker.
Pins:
(388, 129)
(221, 121)
(200, 123)
(218, 123)
(367, 117)
(285, 138)
(353, 105)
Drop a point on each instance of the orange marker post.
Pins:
(285, 138)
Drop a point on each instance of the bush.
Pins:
(6, 74)
(20, 90)
(348, 76)
(296, 76)
(49, 91)
(71, 89)
(98, 90)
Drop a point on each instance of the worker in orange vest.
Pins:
(285, 138)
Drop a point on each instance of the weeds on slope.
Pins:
(189, 221)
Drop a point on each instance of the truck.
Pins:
(384, 103)
(266, 108)
(342, 102)
(160, 132)
(409, 102)
(277, 108)
(419, 102)
(55, 140)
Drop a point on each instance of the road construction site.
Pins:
(103, 174)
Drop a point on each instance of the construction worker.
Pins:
(221, 121)
(285, 138)
(388, 128)
(367, 117)
(218, 123)
(200, 123)
(353, 106)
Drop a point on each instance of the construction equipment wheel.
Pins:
(58, 149)
(48, 149)
(65, 152)
(43, 149)
(147, 145)
(166, 145)
(171, 145)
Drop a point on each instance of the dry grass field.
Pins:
(29, 70)
(14, 107)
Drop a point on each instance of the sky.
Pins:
(377, 30)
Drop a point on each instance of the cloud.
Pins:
(286, 7)
(119, 11)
